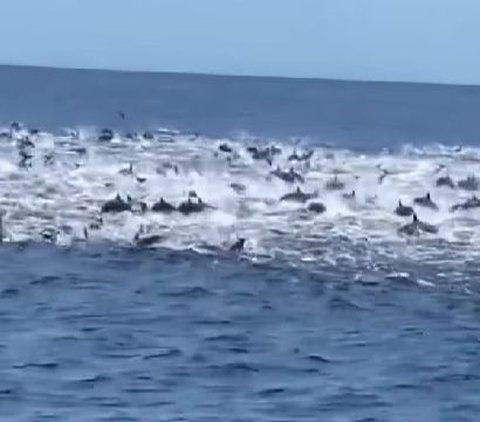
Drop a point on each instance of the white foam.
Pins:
(72, 190)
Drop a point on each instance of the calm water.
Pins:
(334, 318)
(367, 115)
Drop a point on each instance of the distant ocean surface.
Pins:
(350, 312)
(360, 115)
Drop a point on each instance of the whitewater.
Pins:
(71, 174)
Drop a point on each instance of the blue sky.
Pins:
(412, 40)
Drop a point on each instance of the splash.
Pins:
(61, 185)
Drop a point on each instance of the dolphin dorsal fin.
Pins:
(298, 189)
(415, 218)
(428, 195)
(400, 203)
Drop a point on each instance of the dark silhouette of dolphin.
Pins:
(116, 205)
(426, 201)
(403, 210)
(163, 207)
(238, 245)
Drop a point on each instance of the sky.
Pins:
(389, 40)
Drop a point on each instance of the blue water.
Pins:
(368, 115)
(335, 319)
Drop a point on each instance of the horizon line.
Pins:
(248, 76)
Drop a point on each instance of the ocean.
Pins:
(343, 310)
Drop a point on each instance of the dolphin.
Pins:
(290, 176)
(238, 245)
(146, 241)
(148, 136)
(116, 205)
(470, 183)
(445, 181)
(304, 157)
(317, 207)
(163, 207)
(416, 227)
(266, 154)
(403, 210)
(190, 207)
(105, 135)
(225, 148)
(298, 196)
(469, 204)
(426, 201)
(334, 184)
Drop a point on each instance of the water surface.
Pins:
(333, 316)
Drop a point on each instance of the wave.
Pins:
(66, 178)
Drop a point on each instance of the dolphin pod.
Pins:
(293, 175)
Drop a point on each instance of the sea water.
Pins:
(333, 316)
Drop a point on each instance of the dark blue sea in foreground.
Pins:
(157, 335)
(330, 319)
